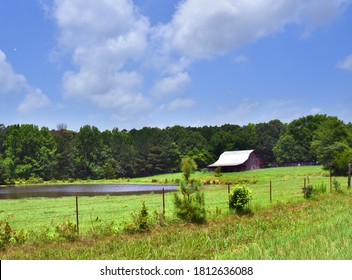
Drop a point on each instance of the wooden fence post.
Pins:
(77, 222)
(349, 175)
(271, 193)
(330, 182)
(228, 194)
(163, 201)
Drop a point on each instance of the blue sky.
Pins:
(130, 64)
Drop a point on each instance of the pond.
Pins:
(17, 192)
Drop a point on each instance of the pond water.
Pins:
(17, 192)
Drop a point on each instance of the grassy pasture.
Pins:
(289, 228)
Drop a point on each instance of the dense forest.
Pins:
(27, 151)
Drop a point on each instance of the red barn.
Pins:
(233, 161)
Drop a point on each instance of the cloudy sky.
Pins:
(129, 64)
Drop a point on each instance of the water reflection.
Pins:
(18, 192)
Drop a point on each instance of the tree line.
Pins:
(29, 151)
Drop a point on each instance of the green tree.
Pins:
(222, 141)
(190, 204)
(154, 152)
(333, 145)
(295, 144)
(268, 134)
(287, 150)
(89, 153)
(188, 167)
(3, 171)
(32, 151)
(65, 140)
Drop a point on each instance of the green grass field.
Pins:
(290, 227)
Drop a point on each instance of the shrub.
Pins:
(34, 180)
(218, 171)
(67, 230)
(140, 220)
(239, 198)
(190, 205)
(307, 191)
(9, 234)
(336, 185)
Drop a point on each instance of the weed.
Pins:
(160, 218)
(99, 229)
(320, 188)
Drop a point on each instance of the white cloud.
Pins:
(346, 64)
(175, 84)
(103, 37)
(218, 27)
(98, 19)
(34, 100)
(107, 39)
(180, 104)
(11, 82)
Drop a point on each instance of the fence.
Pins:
(86, 212)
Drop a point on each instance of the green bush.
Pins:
(239, 198)
(189, 204)
(67, 230)
(34, 180)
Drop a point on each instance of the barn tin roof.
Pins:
(232, 158)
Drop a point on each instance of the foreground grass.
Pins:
(311, 229)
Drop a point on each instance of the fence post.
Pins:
(77, 222)
(228, 194)
(163, 201)
(349, 176)
(330, 182)
(271, 193)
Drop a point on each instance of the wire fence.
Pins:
(44, 213)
